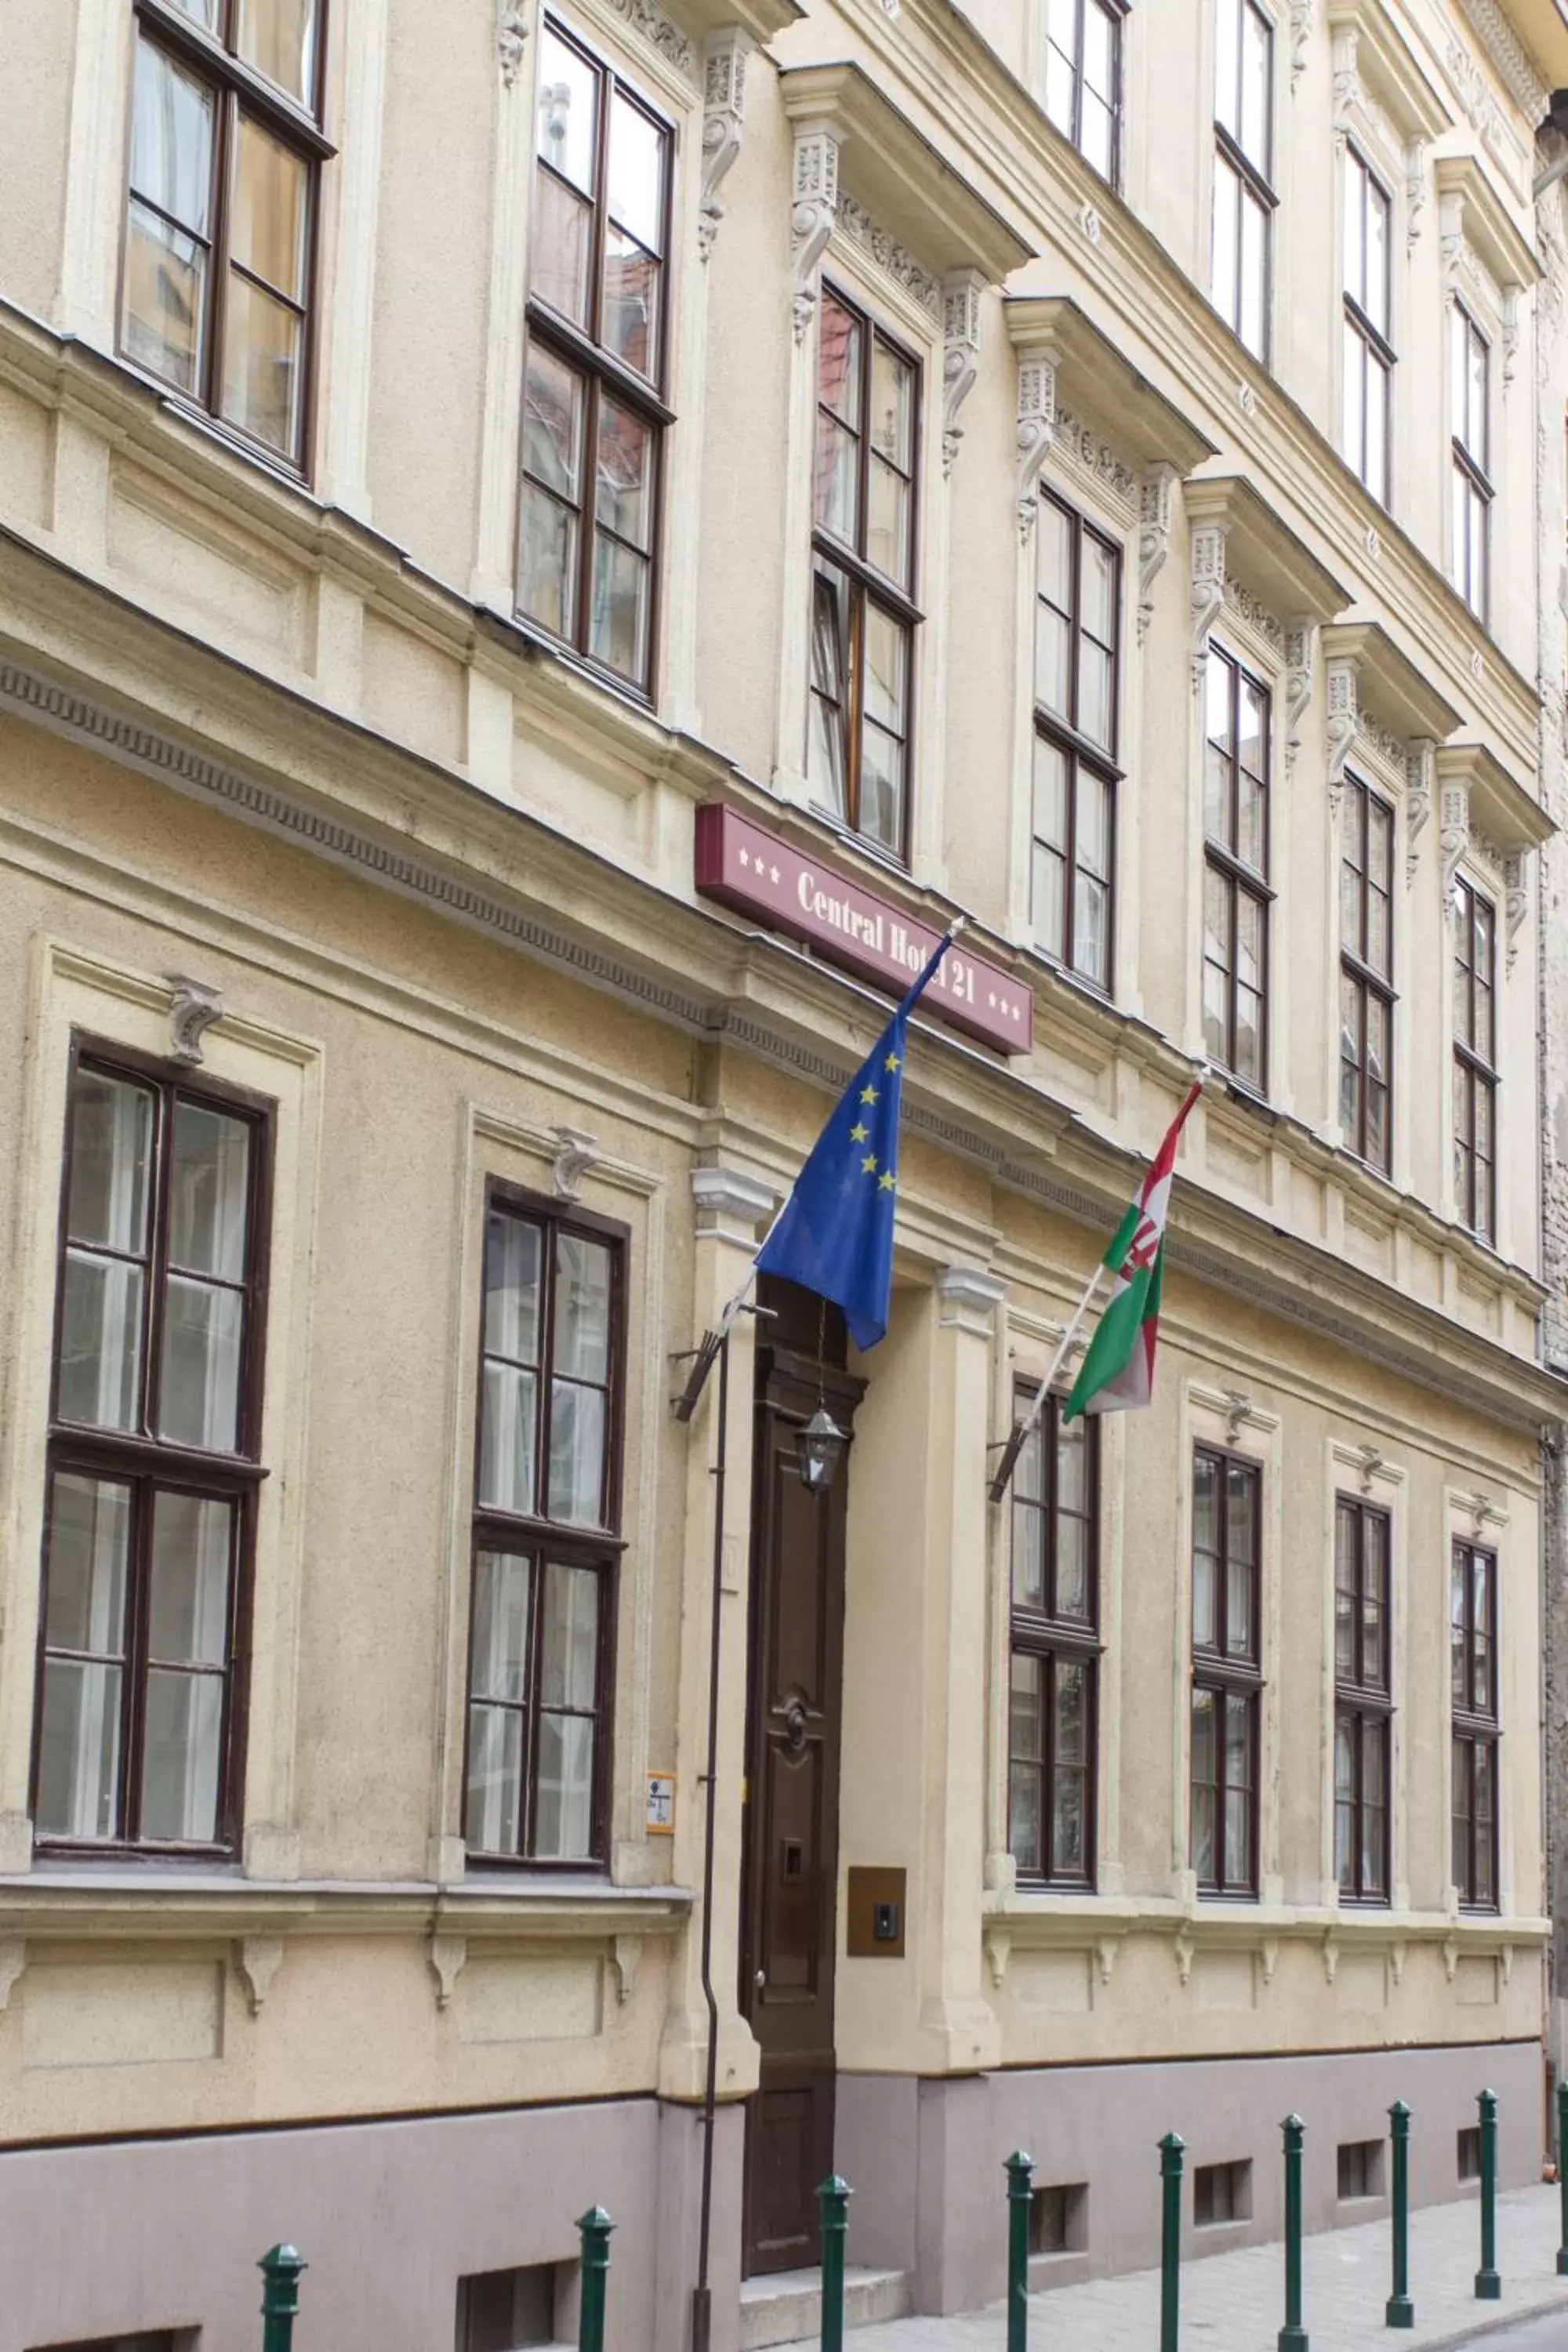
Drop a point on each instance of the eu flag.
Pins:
(835, 1232)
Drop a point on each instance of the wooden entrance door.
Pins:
(790, 1856)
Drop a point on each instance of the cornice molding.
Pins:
(1507, 54)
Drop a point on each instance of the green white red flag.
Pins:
(1118, 1373)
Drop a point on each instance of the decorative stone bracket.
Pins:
(1453, 834)
(813, 206)
(1300, 34)
(576, 1154)
(1418, 762)
(1155, 501)
(1344, 719)
(724, 57)
(512, 38)
(1205, 595)
(258, 1959)
(196, 1006)
(960, 354)
(1301, 669)
(1036, 429)
(13, 1960)
(1516, 902)
(448, 1958)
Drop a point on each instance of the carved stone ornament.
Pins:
(1371, 1461)
(1246, 398)
(1453, 834)
(1300, 668)
(13, 1962)
(196, 1006)
(577, 1152)
(661, 32)
(258, 1960)
(885, 250)
(1205, 595)
(1154, 505)
(813, 206)
(1347, 84)
(1037, 425)
(1089, 221)
(1237, 1410)
(1240, 600)
(1075, 440)
(1516, 902)
(448, 1957)
(724, 56)
(960, 354)
(1418, 759)
(1509, 333)
(1300, 34)
(512, 38)
(1341, 725)
(1415, 191)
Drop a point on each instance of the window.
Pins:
(1227, 1671)
(1468, 2151)
(1244, 140)
(1475, 1061)
(1078, 632)
(1362, 1709)
(1470, 400)
(1235, 868)
(546, 1506)
(1058, 2220)
(1055, 1650)
(1472, 1654)
(1359, 2165)
(1222, 2192)
(504, 2311)
(592, 416)
(1369, 354)
(862, 618)
(220, 209)
(1366, 974)
(1083, 79)
(153, 1461)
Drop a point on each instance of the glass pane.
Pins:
(1053, 652)
(1219, 681)
(1205, 1503)
(1238, 1838)
(192, 1547)
(547, 562)
(1053, 555)
(1091, 931)
(1097, 133)
(569, 1639)
(1353, 241)
(636, 173)
(1093, 842)
(279, 37)
(492, 1816)
(839, 362)
(1458, 379)
(1072, 1465)
(881, 788)
(1354, 382)
(577, 1425)
(512, 1287)
(88, 1543)
(1028, 1476)
(209, 1191)
(562, 234)
(163, 324)
(182, 1752)
(1099, 50)
(618, 627)
(1249, 1062)
(266, 233)
(1227, 64)
(263, 377)
(1206, 1601)
(1216, 1022)
(1457, 1635)
(1025, 1733)
(172, 139)
(1072, 1713)
(1252, 748)
(1375, 301)
(100, 1341)
(508, 1438)
(1029, 1553)
(1345, 1756)
(1202, 1785)
(826, 756)
(552, 423)
(1249, 921)
(1252, 325)
(1251, 823)
(1241, 1513)
(198, 1403)
(582, 1332)
(1255, 48)
(1459, 1858)
(502, 1588)
(1223, 273)
(1099, 614)
(1096, 694)
(1049, 900)
(564, 1805)
(837, 487)
(1060, 89)
(78, 1750)
(1240, 1633)
(1476, 434)
(1379, 952)
(1216, 794)
(1376, 474)
(625, 473)
(632, 283)
(1072, 1568)
(1068, 1829)
(1024, 1817)
(888, 507)
(110, 1162)
(568, 136)
(892, 407)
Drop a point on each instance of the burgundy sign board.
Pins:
(744, 868)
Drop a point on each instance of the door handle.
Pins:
(761, 1979)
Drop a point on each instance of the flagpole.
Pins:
(1023, 1430)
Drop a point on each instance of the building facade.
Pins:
(545, 551)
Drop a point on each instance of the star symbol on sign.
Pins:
(869, 1165)
(744, 859)
(868, 1094)
(892, 1062)
(774, 876)
(884, 1182)
(859, 1132)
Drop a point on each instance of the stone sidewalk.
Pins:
(1235, 2303)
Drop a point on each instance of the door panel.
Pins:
(790, 1860)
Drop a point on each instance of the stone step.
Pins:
(786, 2306)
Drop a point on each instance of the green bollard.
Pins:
(1563, 2174)
(595, 2226)
(1489, 2286)
(1020, 2172)
(1399, 2311)
(1293, 2335)
(280, 2269)
(835, 2194)
(1173, 2149)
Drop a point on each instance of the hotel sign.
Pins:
(756, 873)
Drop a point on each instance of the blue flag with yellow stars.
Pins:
(834, 1234)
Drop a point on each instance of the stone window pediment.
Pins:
(1474, 215)
(1095, 382)
(1244, 558)
(1499, 808)
(1374, 62)
(1390, 689)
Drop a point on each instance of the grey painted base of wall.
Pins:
(124, 2236)
(925, 2158)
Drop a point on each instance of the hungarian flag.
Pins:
(1118, 1371)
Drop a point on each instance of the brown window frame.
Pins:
(1474, 1728)
(603, 372)
(1060, 729)
(868, 587)
(1253, 176)
(1229, 1678)
(554, 1542)
(1474, 1073)
(1056, 1640)
(1359, 973)
(148, 1464)
(1115, 14)
(1363, 1700)
(1240, 880)
(1376, 358)
(237, 88)
(1470, 565)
